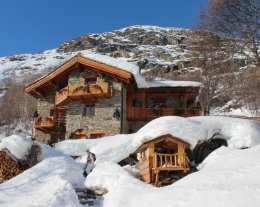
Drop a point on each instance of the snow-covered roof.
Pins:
(134, 69)
(123, 65)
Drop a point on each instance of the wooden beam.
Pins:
(39, 93)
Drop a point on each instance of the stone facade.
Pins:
(103, 119)
(43, 109)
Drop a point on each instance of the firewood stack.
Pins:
(9, 166)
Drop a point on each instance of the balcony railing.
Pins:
(153, 113)
(44, 122)
(83, 91)
(97, 90)
(169, 161)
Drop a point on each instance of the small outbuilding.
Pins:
(163, 154)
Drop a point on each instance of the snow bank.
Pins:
(185, 129)
(48, 191)
(49, 183)
(227, 177)
(112, 148)
(239, 133)
(18, 146)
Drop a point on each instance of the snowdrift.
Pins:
(49, 183)
(239, 133)
(227, 177)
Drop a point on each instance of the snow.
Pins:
(122, 64)
(239, 133)
(113, 148)
(227, 177)
(49, 183)
(188, 130)
(134, 69)
(18, 146)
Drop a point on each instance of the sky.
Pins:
(31, 26)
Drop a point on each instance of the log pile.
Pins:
(9, 166)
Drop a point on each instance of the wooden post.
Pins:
(157, 177)
(155, 160)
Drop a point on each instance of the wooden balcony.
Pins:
(99, 90)
(154, 113)
(148, 114)
(44, 122)
(83, 92)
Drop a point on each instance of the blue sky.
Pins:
(30, 26)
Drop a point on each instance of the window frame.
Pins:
(91, 107)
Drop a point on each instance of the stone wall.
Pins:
(43, 109)
(103, 119)
(124, 125)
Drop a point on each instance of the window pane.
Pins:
(89, 110)
(173, 102)
(137, 103)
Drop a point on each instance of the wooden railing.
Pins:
(153, 113)
(89, 89)
(44, 121)
(168, 160)
(137, 113)
(98, 90)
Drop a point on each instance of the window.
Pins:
(163, 102)
(173, 102)
(89, 110)
(90, 80)
(96, 135)
(155, 102)
(137, 103)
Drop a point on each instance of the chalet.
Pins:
(162, 155)
(91, 95)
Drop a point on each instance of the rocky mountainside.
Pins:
(158, 51)
(154, 49)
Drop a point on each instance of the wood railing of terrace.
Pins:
(168, 162)
(45, 122)
(137, 113)
(83, 92)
